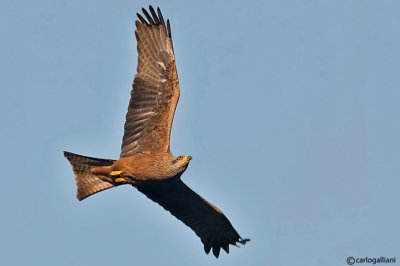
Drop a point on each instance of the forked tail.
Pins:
(86, 182)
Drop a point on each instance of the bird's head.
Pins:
(182, 162)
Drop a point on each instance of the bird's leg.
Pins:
(107, 174)
(116, 175)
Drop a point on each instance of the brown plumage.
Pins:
(146, 161)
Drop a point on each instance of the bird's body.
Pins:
(146, 161)
(143, 169)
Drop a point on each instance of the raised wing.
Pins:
(155, 89)
(206, 220)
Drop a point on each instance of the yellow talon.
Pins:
(114, 173)
(119, 179)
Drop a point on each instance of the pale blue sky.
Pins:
(290, 110)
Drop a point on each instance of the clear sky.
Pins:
(290, 110)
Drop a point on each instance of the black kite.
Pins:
(146, 161)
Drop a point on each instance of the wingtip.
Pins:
(152, 17)
(207, 249)
(226, 247)
(168, 28)
(243, 241)
(155, 17)
(142, 19)
(149, 18)
(216, 250)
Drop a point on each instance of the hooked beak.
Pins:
(187, 159)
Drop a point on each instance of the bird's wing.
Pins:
(155, 89)
(206, 220)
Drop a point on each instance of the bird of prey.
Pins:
(146, 161)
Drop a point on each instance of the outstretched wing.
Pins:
(155, 89)
(206, 220)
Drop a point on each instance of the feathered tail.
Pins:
(86, 182)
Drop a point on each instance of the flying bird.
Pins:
(146, 161)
